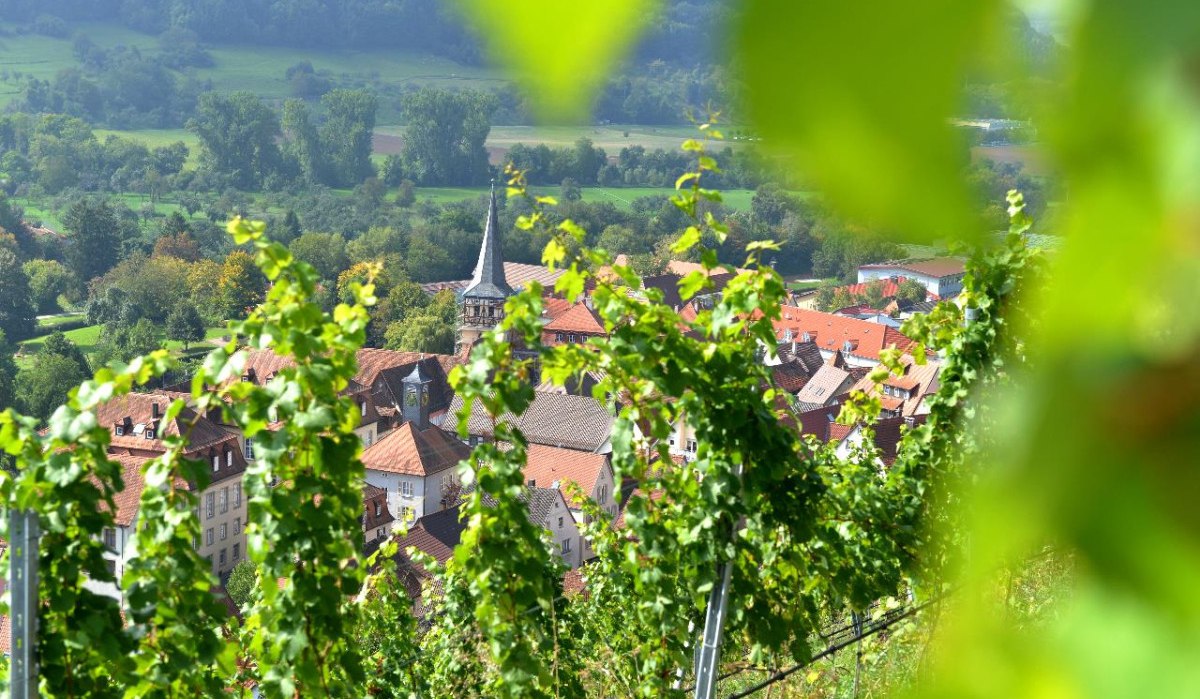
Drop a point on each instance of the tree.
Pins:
(95, 245)
(204, 289)
(422, 333)
(240, 285)
(302, 142)
(873, 294)
(324, 251)
(43, 385)
(48, 279)
(346, 135)
(18, 317)
(8, 374)
(444, 141)
(569, 190)
(185, 325)
(180, 245)
(239, 133)
(122, 341)
(243, 579)
(911, 291)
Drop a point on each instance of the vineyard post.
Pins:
(23, 584)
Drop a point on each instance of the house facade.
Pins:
(571, 472)
(415, 464)
(942, 276)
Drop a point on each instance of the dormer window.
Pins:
(229, 458)
(216, 462)
(149, 433)
(119, 429)
(362, 408)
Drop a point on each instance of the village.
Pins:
(413, 486)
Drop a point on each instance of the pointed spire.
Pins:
(488, 281)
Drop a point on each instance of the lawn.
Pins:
(59, 320)
(85, 338)
(623, 197)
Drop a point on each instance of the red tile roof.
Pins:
(553, 306)
(547, 466)
(790, 376)
(134, 409)
(579, 319)
(413, 452)
(831, 332)
(889, 287)
(919, 379)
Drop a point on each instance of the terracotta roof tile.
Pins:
(826, 384)
(546, 466)
(579, 318)
(413, 452)
(134, 412)
(831, 332)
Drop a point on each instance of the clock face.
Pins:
(410, 397)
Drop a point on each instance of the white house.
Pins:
(942, 276)
(415, 463)
(592, 474)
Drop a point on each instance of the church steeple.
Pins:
(488, 281)
(482, 303)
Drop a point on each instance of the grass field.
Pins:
(259, 69)
(85, 338)
(622, 197)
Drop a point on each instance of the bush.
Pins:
(50, 25)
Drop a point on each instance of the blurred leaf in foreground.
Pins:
(861, 94)
(561, 52)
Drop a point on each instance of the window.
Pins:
(216, 462)
(448, 481)
(237, 552)
(120, 430)
(380, 533)
(229, 458)
(210, 504)
(224, 500)
(571, 338)
(208, 537)
(237, 495)
(112, 566)
(691, 445)
(249, 450)
(566, 546)
(369, 436)
(407, 513)
(560, 522)
(362, 408)
(558, 337)
(110, 538)
(224, 531)
(195, 544)
(221, 559)
(378, 509)
(603, 494)
(406, 488)
(237, 525)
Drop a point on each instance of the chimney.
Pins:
(154, 410)
(532, 483)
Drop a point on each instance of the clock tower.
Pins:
(415, 406)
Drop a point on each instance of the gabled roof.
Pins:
(262, 365)
(135, 413)
(553, 306)
(384, 371)
(371, 495)
(919, 379)
(928, 266)
(806, 354)
(668, 284)
(888, 432)
(554, 468)
(411, 452)
(825, 385)
(578, 319)
(554, 419)
(435, 534)
(488, 281)
(790, 376)
(832, 332)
